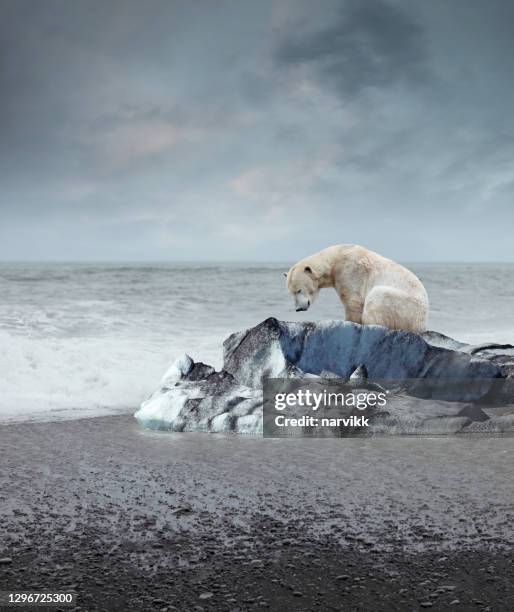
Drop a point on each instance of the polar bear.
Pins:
(373, 289)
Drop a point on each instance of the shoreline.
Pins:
(472, 435)
(67, 415)
(147, 520)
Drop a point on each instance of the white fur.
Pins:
(374, 290)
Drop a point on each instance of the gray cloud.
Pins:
(255, 130)
(367, 44)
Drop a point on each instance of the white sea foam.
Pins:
(83, 340)
(66, 377)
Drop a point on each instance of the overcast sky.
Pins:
(162, 130)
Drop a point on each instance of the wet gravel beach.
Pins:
(136, 520)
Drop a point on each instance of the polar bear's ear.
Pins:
(308, 269)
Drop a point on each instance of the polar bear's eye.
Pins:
(299, 291)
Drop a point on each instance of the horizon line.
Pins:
(227, 261)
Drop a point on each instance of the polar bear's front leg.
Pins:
(353, 307)
(354, 315)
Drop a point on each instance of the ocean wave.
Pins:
(49, 377)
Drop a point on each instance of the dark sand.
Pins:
(135, 520)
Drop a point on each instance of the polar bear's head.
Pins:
(302, 285)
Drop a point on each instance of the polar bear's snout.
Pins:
(301, 301)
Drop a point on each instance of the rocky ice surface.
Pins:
(192, 396)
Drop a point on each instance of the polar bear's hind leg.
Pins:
(395, 309)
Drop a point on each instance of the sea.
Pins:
(82, 340)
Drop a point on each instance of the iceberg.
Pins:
(192, 396)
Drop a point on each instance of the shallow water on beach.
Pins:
(89, 339)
